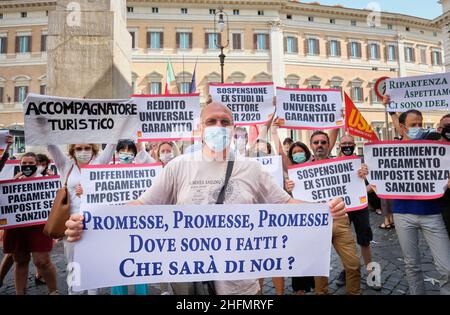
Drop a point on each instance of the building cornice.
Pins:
(11, 4)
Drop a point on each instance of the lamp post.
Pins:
(219, 25)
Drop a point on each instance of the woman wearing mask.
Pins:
(299, 153)
(69, 168)
(25, 242)
(166, 152)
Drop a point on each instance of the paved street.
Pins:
(385, 250)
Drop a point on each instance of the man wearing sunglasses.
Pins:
(342, 236)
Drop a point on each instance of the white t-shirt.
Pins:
(190, 179)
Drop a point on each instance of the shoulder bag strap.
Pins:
(221, 197)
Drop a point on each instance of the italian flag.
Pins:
(170, 76)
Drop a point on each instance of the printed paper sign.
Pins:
(185, 243)
(60, 120)
(27, 201)
(3, 134)
(167, 117)
(309, 108)
(116, 184)
(250, 103)
(327, 179)
(274, 166)
(423, 93)
(408, 169)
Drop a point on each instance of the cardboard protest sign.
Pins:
(309, 108)
(355, 123)
(27, 201)
(274, 166)
(60, 120)
(423, 93)
(327, 179)
(12, 167)
(167, 117)
(408, 169)
(185, 243)
(118, 183)
(3, 134)
(250, 103)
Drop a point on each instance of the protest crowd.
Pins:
(168, 151)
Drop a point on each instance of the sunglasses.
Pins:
(323, 142)
(79, 149)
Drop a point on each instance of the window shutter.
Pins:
(255, 41)
(1, 94)
(361, 90)
(190, 40)
(267, 41)
(30, 43)
(406, 53)
(316, 43)
(16, 94)
(440, 58)
(305, 47)
(206, 40)
(161, 40)
(178, 40)
(17, 44)
(359, 53)
(295, 44)
(395, 53)
(378, 51)
(413, 55)
(338, 48)
(349, 50)
(42, 42)
(42, 90)
(149, 39)
(386, 52)
(369, 52)
(285, 44)
(352, 93)
(328, 48)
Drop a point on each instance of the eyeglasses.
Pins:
(347, 143)
(79, 149)
(323, 142)
(213, 121)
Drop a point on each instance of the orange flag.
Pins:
(355, 123)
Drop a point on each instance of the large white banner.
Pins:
(273, 165)
(423, 93)
(3, 134)
(116, 184)
(250, 103)
(167, 117)
(327, 179)
(61, 120)
(408, 169)
(309, 108)
(182, 243)
(27, 201)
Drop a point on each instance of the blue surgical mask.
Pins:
(217, 138)
(126, 158)
(413, 132)
(299, 157)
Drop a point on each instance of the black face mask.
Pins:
(445, 133)
(28, 170)
(347, 151)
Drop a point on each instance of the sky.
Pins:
(428, 9)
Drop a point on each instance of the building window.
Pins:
(353, 23)
(436, 58)
(23, 14)
(184, 40)
(20, 93)
(261, 41)
(185, 87)
(357, 94)
(374, 96)
(155, 10)
(154, 40)
(332, 21)
(23, 44)
(313, 86)
(390, 27)
(407, 29)
(391, 53)
(435, 34)
(237, 41)
(292, 86)
(311, 18)
(289, 16)
(42, 89)
(423, 55)
(334, 47)
(410, 54)
(355, 50)
(44, 42)
(260, 12)
(184, 10)
(313, 46)
(212, 40)
(235, 12)
(155, 88)
(212, 11)
(133, 37)
(1, 16)
(3, 44)
(130, 9)
(291, 45)
(374, 51)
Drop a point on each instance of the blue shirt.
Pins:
(419, 207)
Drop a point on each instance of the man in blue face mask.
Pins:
(410, 124)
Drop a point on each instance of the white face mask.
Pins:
(166, 157)
(217, 138)
(83, 156)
